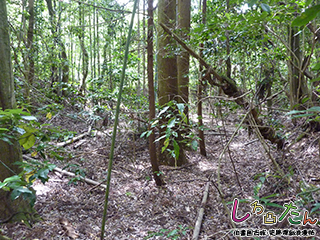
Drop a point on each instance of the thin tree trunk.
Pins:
(298, 86)
(98, 42)
(152, 111)
(63, 52)
(30, 49)
(200, 90)
(94, 40)
(85, 55)
(144, 50)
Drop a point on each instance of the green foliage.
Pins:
(14, 122)
(267, 200)
(307, 16)
(34, 169)
(78, 171)
(21, 185)
(175, 234)
(312, 113)
(177, 129)
(18, 187)
(306, 198)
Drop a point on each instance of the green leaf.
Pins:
(4, 129)
(143, 134)
(2, 185)
(27, 141)
(313, 109)
(251, 3)
(274, 205)
(180, 106)
(316, 67)
(29, 118)
(265, 7)
(303, 115)
(194, 145)
(149, 133)
(174, 133)
(294, 112)
(158, 139)
(7, 140)
(166, 144)
(308, 2)
(173, 233)
(171, 122)
(176, 148)
(43, 175)
(12, 179)
(315, 80)
(306, 16)
(316, 207)
(20, 190)
(163, 110)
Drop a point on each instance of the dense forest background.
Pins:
(213, 100)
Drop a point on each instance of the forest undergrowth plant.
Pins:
(312, 116)
(17, 124)
(177, 129)
(307, 198)
(175, 234)
(19, 187)
(267, 200)
(78, 171)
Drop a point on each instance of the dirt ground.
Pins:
(137, 209)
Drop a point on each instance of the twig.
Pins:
(253, 141)
(74, 139)
(197, 227)
(87, 180)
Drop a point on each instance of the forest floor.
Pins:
(139, 210)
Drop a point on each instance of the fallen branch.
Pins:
(74, 139)
(197, 227)
(70, 174)
(230, 88)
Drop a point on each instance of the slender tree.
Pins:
(30, 71)
(200, 88)
(85, 55)
(63, 52)
(152, 110)
(298, 86)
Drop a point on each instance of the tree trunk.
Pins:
(152, 110)
(9, 210)
(167, 74)
(85, 55)
(30, 72)
(183, 58)
(57, 39)
(298, 85)
(200, 90)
